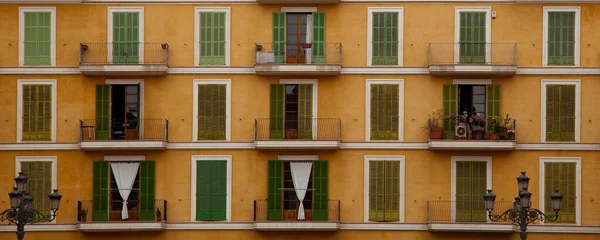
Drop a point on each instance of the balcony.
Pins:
(137, 134)
(298, 1)
(465, 216)
(462, 134)
(288, 220)
(317, 59)
(110, 221)
(472, 59)
(310, 133)
(123, 59)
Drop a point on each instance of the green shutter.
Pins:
(212, 38)
(450, 102)
(318, 38)
(211, 190)
(277, 117)
(274, 190)
(37, 113)
(472, 37)
(561, 38)
(279, 43)
(126, 37)
(320, 205)
(561, 176)
(37, 39)
(305, 117)
(384, 111)
(100, 191)
(560, 112)
(492, 105)
(39, 183)
(471, 184)
(212, 116)
(147, 190)
(385, 38)
(384, 191)
(102, 112)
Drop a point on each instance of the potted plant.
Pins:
(511, 134)
(497, 132)
(83, 215)
(163, 46)
(158, 215)
(434, 125)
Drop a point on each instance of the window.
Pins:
(384, 188)
(385, 32)
(471, 177)
(561, 36)
(561, 110)
(212, 110)
(125, 35)
(291, 30)
(564, 175)
(211, 188)
(385, 107)
(293, 109)
(211, 36)
(36, 110)
(37, 36)
(473, 35)
(41, 179)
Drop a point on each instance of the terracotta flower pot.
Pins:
(486, 136)
(436, 134)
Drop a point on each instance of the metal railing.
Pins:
(261, 208)
(305, 129)
(473, 54)
(123, 53)
(442, 211)
(86, 209)
(298, 53)
(119, 129)
(472, 129)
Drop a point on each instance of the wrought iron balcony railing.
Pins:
(262, 213)
(298, 53)
(124, 53)
(451, 128)
(473, 54)
(468, 211)
(90, 211)
(267, 129)
(120, 129)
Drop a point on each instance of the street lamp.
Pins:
(522, 214)
(21, 209)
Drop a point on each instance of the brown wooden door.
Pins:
(295, 36)
(291, 111)
(131, 111)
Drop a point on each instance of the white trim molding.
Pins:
(52, 159)
(299, 9)
(227, 83)
(369, 158)
(472, 81)
(488, 28)
(133, 158)
(548, 9)
(20, 84)
(542, 187)
(454, 159)
(196, 158)
(400, 11)
(577, 84)
(297, 157)
(22, 11)
(109, 26)
(197, 11)
(400, 83)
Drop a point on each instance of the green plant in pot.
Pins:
(83, 215)
(435, 125)
(497, 132)
(158, 215)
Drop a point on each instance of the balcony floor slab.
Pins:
(299, 69)
(124, 70)
(124, 145)
(472, 145)
(472, 70)
(121, 226)
(296, 226)
(292, 144)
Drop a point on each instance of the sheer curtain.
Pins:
(308, 51)
(300, 178)
(125, 173)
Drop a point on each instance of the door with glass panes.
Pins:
(291, 111)
(117, 112)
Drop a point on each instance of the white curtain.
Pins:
(125, 173)
(300, 177)
(308, 51)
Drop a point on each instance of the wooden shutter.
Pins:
(318, 38)
(147, 190)
(320, 205)
(561, 38)
(211, 190)
(472, 37)
(492, 105)
(384, 111)
(392, 191)
(102, 112)
(126, 37)
(376, 190)
(212, 38)
(385, 38)
(277, 118)
(305, 111)
(37, 113)
(450, 102)
(471, 184)
(39, 183)
(100, 191)
(279, 31)
(561, 176)
(560, 112)
(212, 106)
(37, 39)
(384, 190)
(274, 190)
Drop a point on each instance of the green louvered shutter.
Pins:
(203, 190)
(472, 37)
(384, 191)
(561, 38)
(492, 105)
(279, 39)
(212, 38)
(39, 183)
(450, 95)
(212, 106)
(37, 113)
(384, 111)
(100, 191)
(277, 118)
(560, 113)
(471, 183)
(37, 41)
(320, 205)
(211, 190)
(274, 190)
(305, 120)
(126, 38)
(102, 112)
(147, 190)
(561, 176)
(318, 38)
(385, 38)
(376, 190)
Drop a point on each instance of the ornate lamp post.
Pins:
(522, 214)
(21, 209)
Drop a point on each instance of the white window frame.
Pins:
(53, 159)
(400, 83)
(109, 38)
(127, 158)
(197, 11)
(577, 84)
(488, 29)
(370, 11)
(454, 159)
(576, 160)
(315, 98)
(22, 11)
(139, 82)
(197, 82)
(576, 56)
(367, 159)
(196, 158)
(20, 84)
